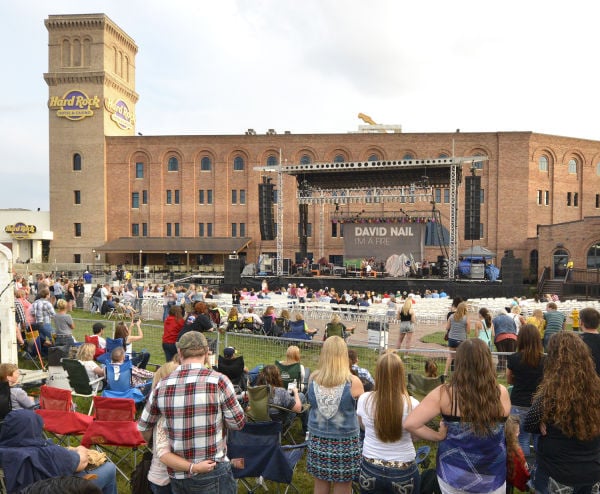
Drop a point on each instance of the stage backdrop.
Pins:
(382, 240)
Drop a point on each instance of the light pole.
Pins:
(187, 261)
(94, 260)
(140, 267)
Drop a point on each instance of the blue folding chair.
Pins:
(297, 332)
(111, 344)
(118, 379)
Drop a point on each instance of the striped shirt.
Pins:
(42, 310)
(196, 402)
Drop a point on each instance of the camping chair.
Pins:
(270, 327)
(115, 432)
(93, 339)
(422, 385)
(57, 376)
(60, 421)
(233, 368)
(5, 401)
(294, 372)
(111, 344)
(264, 457)
(118, 382)
(80, 382)
(297, 332)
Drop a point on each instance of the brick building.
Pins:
(121, 197)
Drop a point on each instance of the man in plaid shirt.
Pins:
(43, 312)
(197, 403)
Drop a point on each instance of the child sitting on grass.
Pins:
(18, 397)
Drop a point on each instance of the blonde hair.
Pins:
(539, 313)
(61, 304)
(299, 316)
(7, 370)
(163, 371)
(293, 353)
(86, 352)
(461, 311)
(515, 309)
(335, 319)
(334, 365)
(406, 306)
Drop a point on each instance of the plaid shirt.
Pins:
(196, 402)
(42, 310)
(19, 313)
(363, 374)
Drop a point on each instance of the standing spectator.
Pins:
(301, 293)
(197, 404)
(172, 325)
(566, 414)
(590, 320)
(519, 320)
(169, 299)
(43, 312)
(555, 322)
(388, 456)
(484, 327)
(458, 330)
(333, 446)
(537, 319)
(139, 359)
(525, 369)
(407, 318)
(87, 277)
(505, 336)
(474, 407)
(64, 324)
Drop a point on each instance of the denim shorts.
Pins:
(380, 479)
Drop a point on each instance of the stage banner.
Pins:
(383, 240)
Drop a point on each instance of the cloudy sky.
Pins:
(223, 66)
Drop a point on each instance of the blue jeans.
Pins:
(219, 481)
(384, 480)
(170, 350)
(544, 484)
(524, 437)
(160, 489)
(107, 477)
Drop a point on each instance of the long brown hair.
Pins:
(530, 346)
(512, 443)
(270, 375)
(389, 397)
(474, 386)
(570, 389)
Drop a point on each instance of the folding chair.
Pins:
(119, 385)
(270, 327)
(294, 372)
(422, 384)
(60, 421)
(233, 368)
(80, 382)
(297, 332)
(111, 344)
(5, 401)
(114, 431)
(93, 339)
(264, 457)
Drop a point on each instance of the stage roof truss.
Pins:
(366, 195)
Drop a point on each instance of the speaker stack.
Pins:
(511, 269)
(442, 267)
(265, 209)
(472, 207)
(233, 271)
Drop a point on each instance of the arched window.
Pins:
(373, 157)
(408, 156)
(339, 158)
(272, 160)
(573, 166)
(173, 164)
(238, 163)
(66, 53)
(305, 160)
(543, 164)
(593, 256)
(76, 162)
(442, 155)
(77, 53)
(87, 52)
(205, 164)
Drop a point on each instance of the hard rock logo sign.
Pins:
(120, 113)
(74, 105)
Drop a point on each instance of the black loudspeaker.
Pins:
(512, 270)
(265, 210)
(442, 266)
(472, 207)
(233, 271)
(303, 233)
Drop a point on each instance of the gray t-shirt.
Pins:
(63, 323)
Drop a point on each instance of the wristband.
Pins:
(191, 467)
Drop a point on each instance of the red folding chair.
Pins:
(60, 421)
(114, 431)
(93, 339)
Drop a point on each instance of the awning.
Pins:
(478, 251)
(176, 245)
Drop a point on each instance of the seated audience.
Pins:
(362, 373)
(18, 397)
(141, 358)
(279, 395)
(85, 355)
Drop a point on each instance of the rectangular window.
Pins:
(139, 170)
(275, 229)
(480, 230)
(481, 196)
(308, 230)
(177, 232)
(576, 199)
(438, 195)
(234, 196)
(169, 197)
(77, 229)
(176, 196)
(342, 230)
(334, 229)
(135, 200)
(547, 198)
(76, 258)
(242, 197)
(144, 196)
(169, 229)
(209, 229)
(201, 229)
(234, 229)
(446, 196)
(568, 198)
(135, 229)
(242, 229)
(201, 197)
(539, 197)
(144, 229)
(275, 196)
(209, 196)
(597, 201)
(77, 197)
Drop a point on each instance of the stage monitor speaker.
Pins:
(472, 207)
(233, 271)
(265, 210)
(442, 266)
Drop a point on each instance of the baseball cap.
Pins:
(301, 284)
(229, 352)
(192, 340)
(98, 327)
